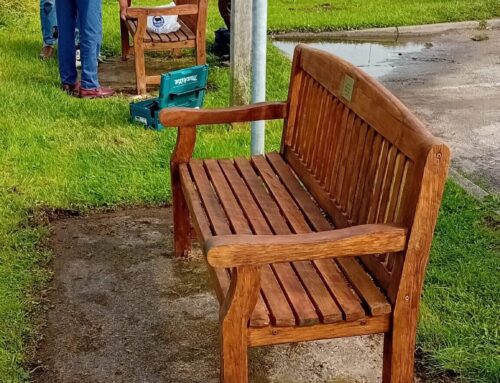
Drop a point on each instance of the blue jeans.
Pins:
(90, 23)
(48, 21)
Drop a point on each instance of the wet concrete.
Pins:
(453, 85)
(375, 58)
(121, 308)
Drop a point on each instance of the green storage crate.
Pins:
(181, 88)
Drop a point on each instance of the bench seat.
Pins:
(263, 196)
(184, 34)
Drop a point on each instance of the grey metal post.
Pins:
(259, 55)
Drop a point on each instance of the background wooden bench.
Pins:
(328, 238)
(192, 34)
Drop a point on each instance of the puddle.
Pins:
(375, 58)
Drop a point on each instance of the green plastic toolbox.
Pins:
(184, 87)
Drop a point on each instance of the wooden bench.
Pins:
(328, 238)
(192, 34)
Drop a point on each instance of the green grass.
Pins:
(58, 152)
(316, 15)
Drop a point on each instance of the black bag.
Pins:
(222, 42)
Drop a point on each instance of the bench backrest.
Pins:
(193, 21)
(364, 157)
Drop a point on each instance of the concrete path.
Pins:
(454, 86)
(122, 309)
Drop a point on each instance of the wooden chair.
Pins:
(192, 34)
(328, 238)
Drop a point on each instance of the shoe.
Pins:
(72, 90)
(96, 92)
(47, 52)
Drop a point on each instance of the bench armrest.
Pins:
(242, 250)
(187, 9)
(174, 117)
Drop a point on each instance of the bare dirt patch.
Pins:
(123, 309)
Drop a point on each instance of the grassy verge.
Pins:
(316, 15)
(61, 152)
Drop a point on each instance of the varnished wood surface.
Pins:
(242, 211)
(332, 235)
(239, 250)
(173, 117)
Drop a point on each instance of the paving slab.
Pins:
(121, 308)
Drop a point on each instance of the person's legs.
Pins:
(90, 17)
(225, 12)
(66, 19)
(48, 23)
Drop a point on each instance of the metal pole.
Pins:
(259, 54)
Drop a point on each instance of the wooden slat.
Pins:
(371, 102)
(303, 112)
(368, 290)
(220, 227)
(239, 225)
(173, 37)
(312, 123)
(349, 191)
(323, 121)
(340, 112)
(379, 180)
(285, 202)
(165, 37)
(320, 167)
(364, 326)
(303, 308)
(327, 309)
(364, 286)
(180, 35)
(311, 211)
(345, 297)
(317, 191)
(210, 201)
(342, 135)
(391, 173)
(185, 29)
(131, 26)
(250, 208)
(231, 207)
(346, 160)
(369, 179)
(280, 311)
(155, 37)
(363, 173)
(202, 227)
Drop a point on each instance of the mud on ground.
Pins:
(122, 309)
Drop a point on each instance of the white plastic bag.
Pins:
(163, 24)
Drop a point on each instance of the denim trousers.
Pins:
(48, 20)
(90, 25)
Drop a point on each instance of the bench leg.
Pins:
(125, 40)
(140, 67)
(399, 351)
(201, 55)
(182, 224)
(235, 313)
(234, 353)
